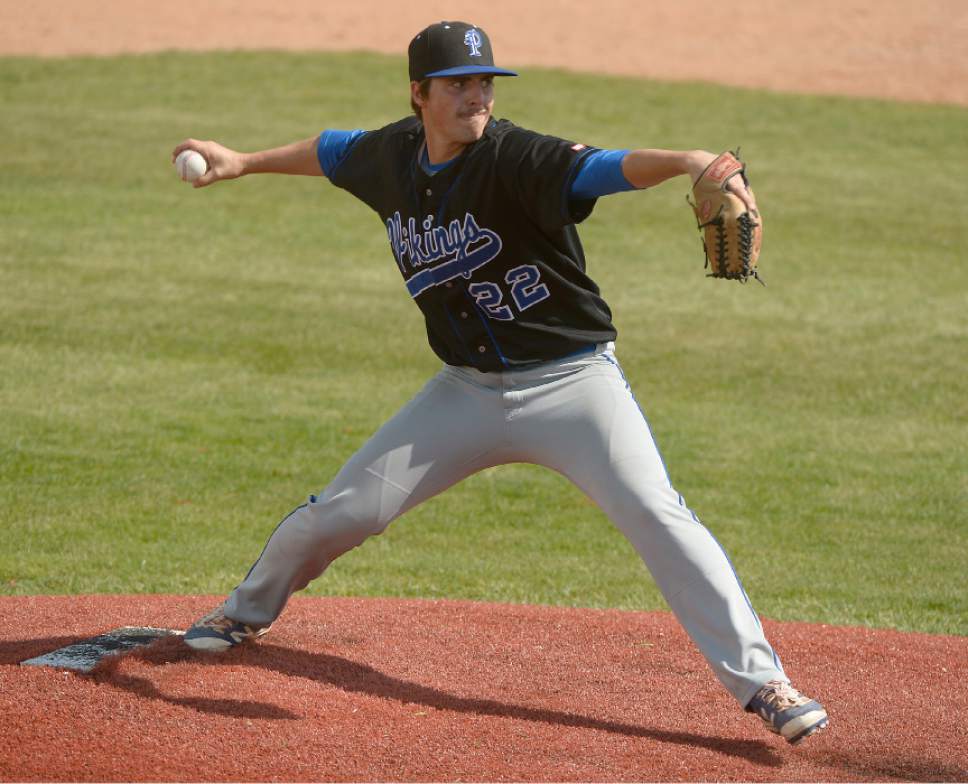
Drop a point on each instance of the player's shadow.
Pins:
(166, 650)
(16, 651)
(898, 766)
(351, 676)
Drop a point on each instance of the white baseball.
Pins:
(190, 165)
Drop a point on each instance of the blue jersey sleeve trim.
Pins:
(333, 146)
(600, 175)
(576, 209)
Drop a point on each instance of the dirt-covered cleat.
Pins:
(217, 632)
(787, 712)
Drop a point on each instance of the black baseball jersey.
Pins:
(487, 246)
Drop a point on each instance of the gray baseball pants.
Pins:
(576, 416)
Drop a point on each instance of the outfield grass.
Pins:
(181, 368)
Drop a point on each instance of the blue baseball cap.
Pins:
(452, 49)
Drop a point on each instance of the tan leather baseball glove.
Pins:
(732, 233)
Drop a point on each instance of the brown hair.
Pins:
(424, 89)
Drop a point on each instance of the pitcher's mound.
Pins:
(393, 690)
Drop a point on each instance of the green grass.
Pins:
(181, 368)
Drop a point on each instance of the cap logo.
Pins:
(473, 41)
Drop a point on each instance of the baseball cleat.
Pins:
(787, 712)
(217, 632)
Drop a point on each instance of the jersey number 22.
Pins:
(526, 290)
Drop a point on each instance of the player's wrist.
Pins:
(246, 163)
(695, 162)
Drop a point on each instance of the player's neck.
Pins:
(426, 165)
(441, 149)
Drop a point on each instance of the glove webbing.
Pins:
(745, 250)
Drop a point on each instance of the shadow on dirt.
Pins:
(13, 652)
(360, 678)
(900, 768)
(351, 676)
(223, 707)
(16, 651)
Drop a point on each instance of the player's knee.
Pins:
(347, 516)
(652, 506)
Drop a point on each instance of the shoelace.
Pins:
(780, 695)
(217, 620)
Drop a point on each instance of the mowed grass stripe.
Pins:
(181, 368)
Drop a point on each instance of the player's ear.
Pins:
(416, 96)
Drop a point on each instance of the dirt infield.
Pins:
(884, 48)
(379, 690)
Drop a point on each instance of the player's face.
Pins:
(457, 108)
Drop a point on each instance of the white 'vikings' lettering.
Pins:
(453, 250)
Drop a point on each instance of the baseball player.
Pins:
(480, 216)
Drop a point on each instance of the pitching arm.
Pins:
(227, 164)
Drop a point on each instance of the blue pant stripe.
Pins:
(682, 503)
(645, 419)
(312, 498)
